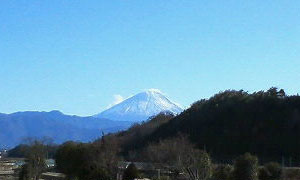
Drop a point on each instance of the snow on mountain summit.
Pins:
(140, 107)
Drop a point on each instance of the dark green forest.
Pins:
(231, 123)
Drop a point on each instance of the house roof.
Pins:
(141, 165)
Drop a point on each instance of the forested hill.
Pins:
(234, 122)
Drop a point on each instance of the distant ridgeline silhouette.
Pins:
(55, 125)
(60, 127)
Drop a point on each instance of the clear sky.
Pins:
(79, 56)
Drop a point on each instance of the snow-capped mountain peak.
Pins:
(140, 107)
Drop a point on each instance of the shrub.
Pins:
(131, 172)
(246, 167)
(222, 172)
(270, 171)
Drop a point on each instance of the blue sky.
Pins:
(80, 56)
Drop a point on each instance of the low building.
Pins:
(3, 153)
(53, 176)
(7, 169)
(50, 163)
(149, 169)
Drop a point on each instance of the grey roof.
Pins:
(143, 165)
(138, 165)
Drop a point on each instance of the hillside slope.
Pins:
(234, 122)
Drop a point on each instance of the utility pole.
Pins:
(158, 173)
(283, 169)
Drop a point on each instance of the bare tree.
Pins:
(35, 161)
(181, 156)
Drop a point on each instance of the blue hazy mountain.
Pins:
(56, 125)
(60, 127)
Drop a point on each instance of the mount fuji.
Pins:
(141, 107)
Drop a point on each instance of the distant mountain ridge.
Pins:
(56, 125)
(140, 107)
(60, 127)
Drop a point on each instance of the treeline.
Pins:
(35, 163)
(176, 157)
(98, 160)
(22, 150)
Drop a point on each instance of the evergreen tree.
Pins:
(222, 172)
(131, 172)
(246, 167)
